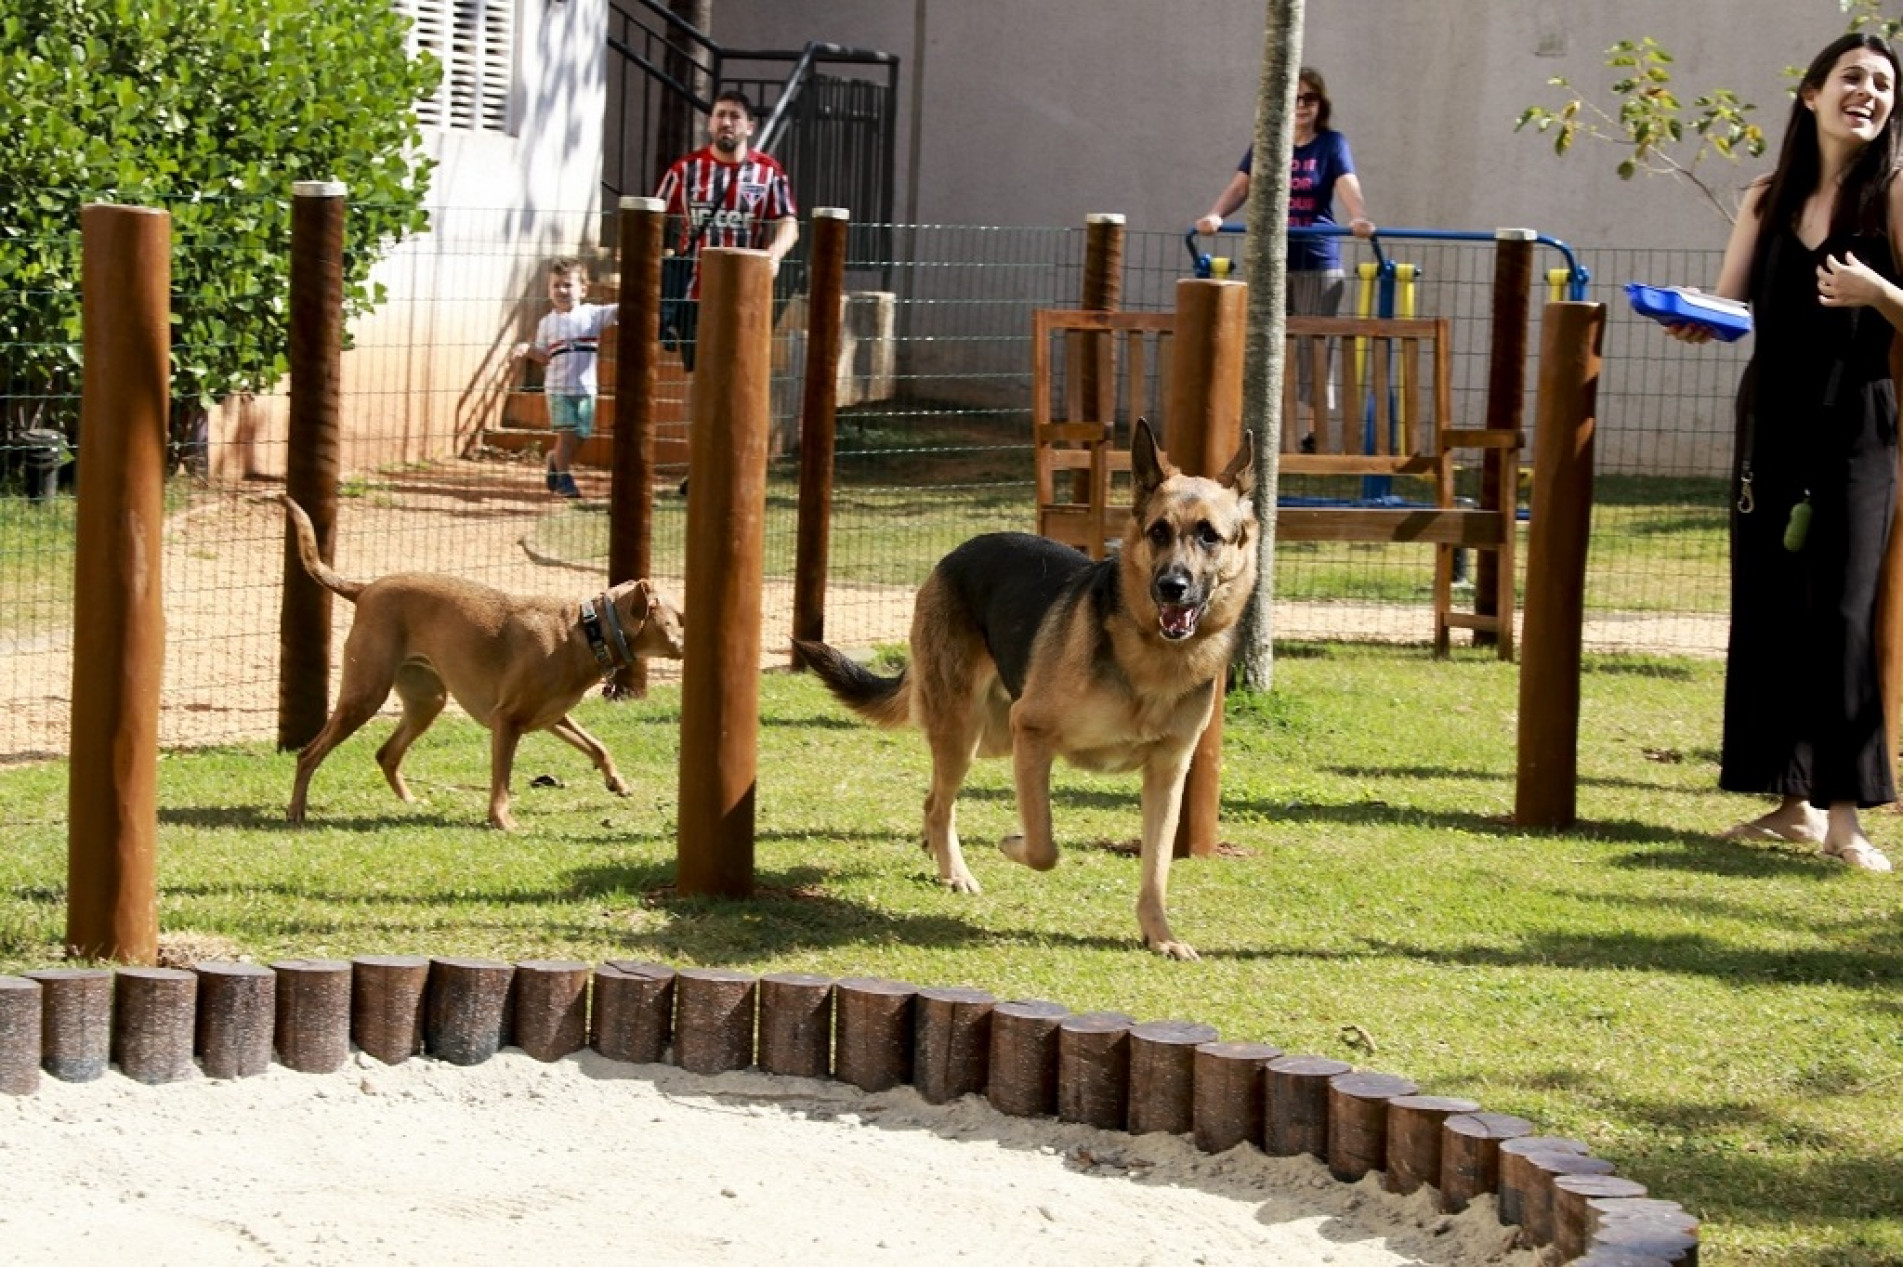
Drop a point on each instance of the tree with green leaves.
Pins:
(208, 109)
(1649, 124)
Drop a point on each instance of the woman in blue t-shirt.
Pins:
(1320, 171)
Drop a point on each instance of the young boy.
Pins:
(567, 341)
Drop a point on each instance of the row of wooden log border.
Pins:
(1029, 1058)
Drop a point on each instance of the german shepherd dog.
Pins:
(1021, 645)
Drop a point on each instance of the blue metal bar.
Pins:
(1577, 275)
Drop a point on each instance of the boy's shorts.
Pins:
(572, 413)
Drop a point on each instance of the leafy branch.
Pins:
(1654, 128)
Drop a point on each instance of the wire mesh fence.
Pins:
(443, 463)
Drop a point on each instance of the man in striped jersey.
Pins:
(726, 194)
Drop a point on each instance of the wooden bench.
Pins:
(1095, 373)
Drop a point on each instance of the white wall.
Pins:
(427, 368)
(1037, 112)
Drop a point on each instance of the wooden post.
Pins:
(1546, 794)
(726, 548)
(951, 1042)
(237, 1015)
(1470, 1155)
(1295, 1093)
(1889, 631)
(1506, 396)
(637, 369)
(387, 1005)
(1414, 1138)
(313, 452)
(112, 902)
(550, 1008)
(1358, 1121)
(152, 1023)
(1230, 1079)
(819, 405)
(76, 1029)
(21, 1010)
(714, 1013)
(872, 1032)
(1163, 1075)
(1204, 431)
(1093, 1069)
(1102, 292)
(313, 1014)
(466, 1010)
(1022, 1079)
(796, 1024)
(633, 1017)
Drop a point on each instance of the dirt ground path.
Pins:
(222, 569)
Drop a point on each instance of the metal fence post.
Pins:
(313, 460)
(1546, 791)
(112, 909)
(819, 405)
(726, 548)
(1204, 431)
(637, 369)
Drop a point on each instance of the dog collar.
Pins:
(591, 622)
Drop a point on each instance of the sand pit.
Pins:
(587, 1159)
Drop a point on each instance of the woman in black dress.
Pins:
(1815, 472)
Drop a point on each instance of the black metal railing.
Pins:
(830, 115)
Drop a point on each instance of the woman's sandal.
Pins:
(1860, 854)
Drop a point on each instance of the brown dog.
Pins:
(514, 664)
(1024, 646)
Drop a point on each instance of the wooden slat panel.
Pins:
(1448, 527)
(1356, 464)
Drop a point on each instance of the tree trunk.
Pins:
(1265, 268)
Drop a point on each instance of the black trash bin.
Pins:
(45, 452)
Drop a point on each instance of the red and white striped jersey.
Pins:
(753, 194)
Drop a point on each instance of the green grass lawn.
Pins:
(1723, 1021)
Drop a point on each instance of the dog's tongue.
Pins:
(1177, 620)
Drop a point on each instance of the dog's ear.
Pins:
(1240, 473)
(1149, 465)
(643, 597)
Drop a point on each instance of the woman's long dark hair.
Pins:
(1863, 198)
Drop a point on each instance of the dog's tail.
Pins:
(320, 571)
(884, 701)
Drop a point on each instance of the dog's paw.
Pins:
(1170, 948)
(966, 883)
(620, 786)
(1012, 847)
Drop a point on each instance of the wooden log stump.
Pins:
(76, 1022)
(1296, 1095)
(1603, 1210)
(796, 1024)
(1163, 1075)
(313, 1014)
(1644, 1236)
(634, 1011)
(1536, 1198)
(1515, 1175)
(951, 1042)
(1230, 1099)
(1023, 1077)
(466, 1009)
(237, 1017)
(550, 1008)
(388, 995)
(21, 1018)
(152, 1023)
(713, 1022)
(1619, 1258)
(872, 1035)
(1571, 1218)
(1093, 1069)
(1358, 1121)
(1414, 1138)
(1470, 1155)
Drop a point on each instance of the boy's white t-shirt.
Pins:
(571, 340)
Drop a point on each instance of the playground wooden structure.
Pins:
(1094, 373)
